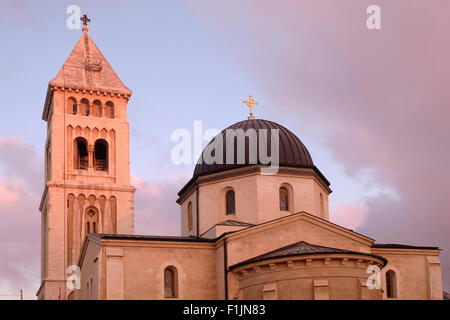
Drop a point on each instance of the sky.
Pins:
(371, 106)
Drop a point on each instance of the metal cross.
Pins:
(251, 103)
(85, 20)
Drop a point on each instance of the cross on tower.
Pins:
(251, 103)
(85, 20)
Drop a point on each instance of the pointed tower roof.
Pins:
(87, 70)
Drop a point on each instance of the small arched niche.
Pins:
(91, 218)
(101, 155)
(170, 282)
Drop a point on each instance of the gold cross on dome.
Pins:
(251, 103)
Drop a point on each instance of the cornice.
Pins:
(52, 87)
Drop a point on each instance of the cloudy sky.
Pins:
(372, 106)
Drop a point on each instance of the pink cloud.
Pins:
(377, 99)
(20, 170)
(156, 210)
(348, 215)
(7, 197)
(21, 185)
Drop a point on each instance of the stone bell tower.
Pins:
(87, 170)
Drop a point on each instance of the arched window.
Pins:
(109, 110)
(391, 284)
(91, 220)
(230, 202)
(97, 108)
(84, 107)
(170, 282)
(284, 199)
(101, 155)
(189, 209)
(71, 106)
(81, 154)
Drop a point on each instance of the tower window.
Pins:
(391, 284)
(189, 216)
(170, 282)
(230, 202)
(109, 110)
(97, 108)
(81, 160)
(84, 107)
(284, 199)
(101, 155)
(71, 106)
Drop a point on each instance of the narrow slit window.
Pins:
(391, 284)
(284, 199)
(190, 224)
(170, 282)
(230, 202)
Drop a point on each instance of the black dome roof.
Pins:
(292, 152)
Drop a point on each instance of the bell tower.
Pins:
(87, 168)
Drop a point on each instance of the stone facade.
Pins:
(87, 163)
(225, 267)
(245, 235)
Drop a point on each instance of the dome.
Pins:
(292, 152)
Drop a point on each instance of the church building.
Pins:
(244, 234)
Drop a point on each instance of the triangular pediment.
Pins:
(276, 234)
